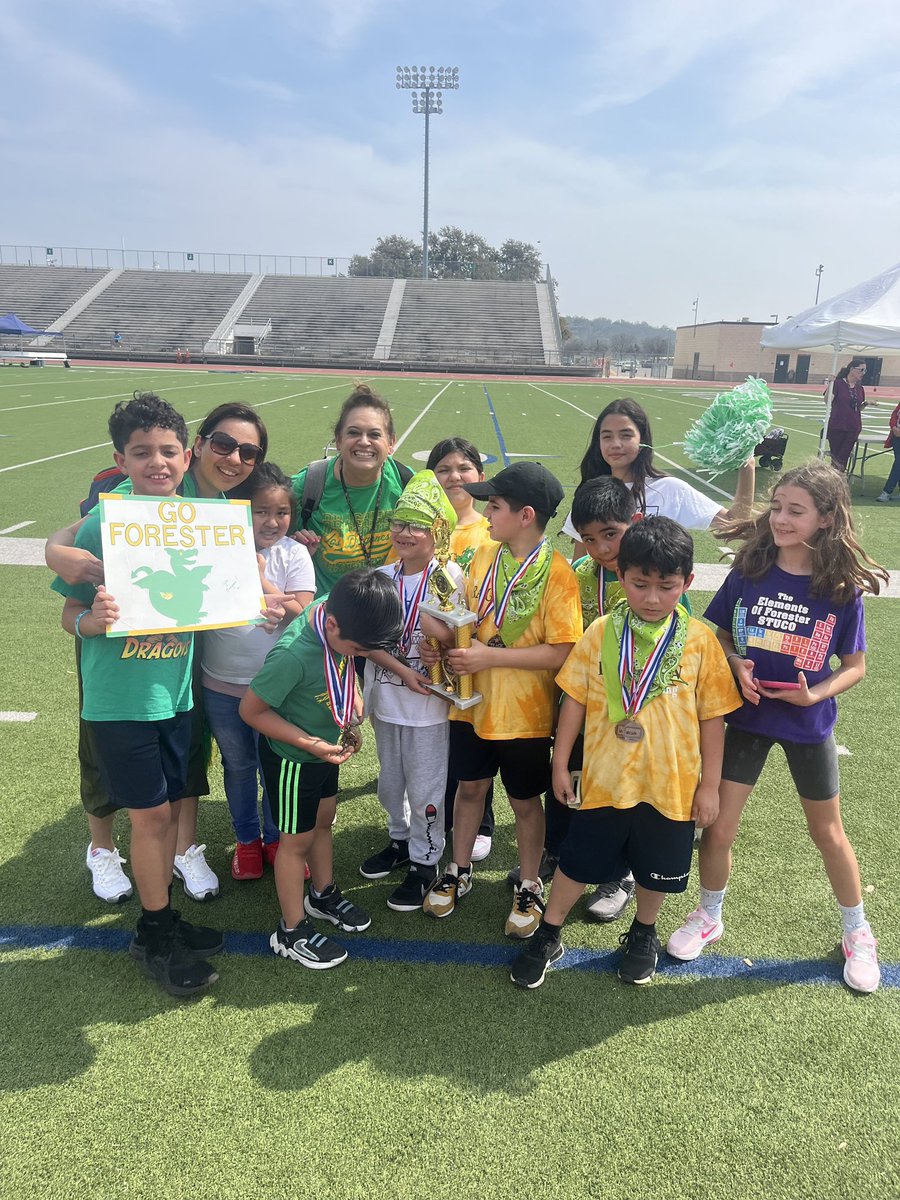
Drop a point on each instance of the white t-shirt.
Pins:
(235, 655)
(670, 497)
(384, 695)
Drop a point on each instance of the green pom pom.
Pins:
(730, 429)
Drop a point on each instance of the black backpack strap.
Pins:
(405, 472)
(313, 487)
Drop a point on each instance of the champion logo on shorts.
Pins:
(656, 875)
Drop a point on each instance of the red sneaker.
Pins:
(269, 850)
(248, 860)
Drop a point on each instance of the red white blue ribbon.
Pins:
(411, 603)
(487, 595)
(634, 698)
(341, 685)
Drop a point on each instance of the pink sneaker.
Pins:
(698, 932)
(861, 970)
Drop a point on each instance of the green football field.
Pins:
(417, 1068)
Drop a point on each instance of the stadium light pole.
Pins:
(819, 269)
(429, 85)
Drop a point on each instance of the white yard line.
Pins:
(13, 528)
(405, 435)
(17, 716)
(110, 396)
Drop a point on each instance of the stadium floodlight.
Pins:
(428, 85)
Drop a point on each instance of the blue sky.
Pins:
(659, 151)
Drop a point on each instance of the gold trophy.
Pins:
(457, 689)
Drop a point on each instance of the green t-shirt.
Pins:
(339, 550)
(141, 677)
(292, 682)
(587, 572)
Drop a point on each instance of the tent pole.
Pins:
(828, 401)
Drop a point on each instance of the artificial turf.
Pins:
(401, 1078)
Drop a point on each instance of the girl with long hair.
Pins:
(792, 601)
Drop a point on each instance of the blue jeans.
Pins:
(893, 479)
(240, 761)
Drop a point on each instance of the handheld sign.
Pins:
(174, 565)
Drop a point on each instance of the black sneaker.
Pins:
(640, 952)
(199, 938)
(305, 946)
(548, 865)
(177, 970)
(610, 900)
(530, 967)
(331, 906)
(380, 865)
(409, 895)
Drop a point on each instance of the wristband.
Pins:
(84, 613)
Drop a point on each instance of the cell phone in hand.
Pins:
(575, 802)
(777, 685)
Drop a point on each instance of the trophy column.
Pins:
(458, 690)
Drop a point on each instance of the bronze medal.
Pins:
(350, 739)
(629, 731)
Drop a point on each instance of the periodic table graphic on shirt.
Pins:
(809, 653)
(175, 565)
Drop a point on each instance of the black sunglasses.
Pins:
(224, 444)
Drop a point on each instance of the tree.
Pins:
(657, 346)
(621, 345)
(394, 256)
(565, 331)
(519, 261)
(454, 253)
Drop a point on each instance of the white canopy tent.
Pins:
(865, 317)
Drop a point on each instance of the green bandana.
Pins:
(646, 635)
(591, 577)
(525, 597)
(424, 502)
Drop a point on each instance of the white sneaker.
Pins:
(482, 847)
(698, 932)
(200, 883)
(861, 970)
(110, 881)
(884, 498)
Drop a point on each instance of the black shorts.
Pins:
(143, 763)
(295, 789)
(603, 843)
(523, 763)
(813, 768)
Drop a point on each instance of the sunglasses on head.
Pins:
(224, 444)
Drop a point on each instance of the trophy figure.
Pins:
(457, 689)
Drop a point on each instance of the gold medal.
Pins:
(629, 731)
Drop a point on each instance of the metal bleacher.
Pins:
(452, 320)
(316, 317)
(39, 295)
(157, 310)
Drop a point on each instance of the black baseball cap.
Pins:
(529, 482)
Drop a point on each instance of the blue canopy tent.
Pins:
(10, 324)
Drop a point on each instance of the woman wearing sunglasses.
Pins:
(230, 442)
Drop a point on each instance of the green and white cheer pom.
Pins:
(731, 428)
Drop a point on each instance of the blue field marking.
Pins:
(500, 440)
(421, 953)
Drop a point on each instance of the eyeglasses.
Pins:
(224, 444)
(403, 526)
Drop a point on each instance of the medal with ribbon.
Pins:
(487, 595)
(341, 686)
(633, 697)
(411, 603)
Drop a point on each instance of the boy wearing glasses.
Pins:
(139, 709)
(412, 730)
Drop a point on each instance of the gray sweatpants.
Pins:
(411, 784)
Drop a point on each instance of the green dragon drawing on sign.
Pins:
(177, 593)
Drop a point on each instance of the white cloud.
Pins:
(267, 88)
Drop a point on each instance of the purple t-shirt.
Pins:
(783, 630)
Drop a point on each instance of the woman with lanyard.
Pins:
(845, 420)
(231, 440)
(349, 527)
(622, 445)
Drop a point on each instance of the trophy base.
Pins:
(456, 618)
(451, 697)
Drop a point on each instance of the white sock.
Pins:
(711, 902)
(853, 918)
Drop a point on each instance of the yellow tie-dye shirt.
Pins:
(663, 769)
(465, 540)
(516, 703)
